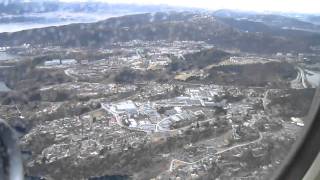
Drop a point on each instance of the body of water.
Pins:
(42, 20)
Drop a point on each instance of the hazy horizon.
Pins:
(287, 6)
(297, 6)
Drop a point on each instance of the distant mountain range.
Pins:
(245, 31)
(244, 35)
(283, 21)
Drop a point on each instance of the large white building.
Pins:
(126, 107)
(52, 62)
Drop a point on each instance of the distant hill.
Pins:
(272, 74)
(273, 20)
(161, 26)
(198, 60)
(258, 27)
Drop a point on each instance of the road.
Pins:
(158, 124)
(217, 153)
(68, 72)
(313, 78)
(163, 129)
(301, 79)
(265, 100)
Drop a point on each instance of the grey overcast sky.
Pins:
(303, 6)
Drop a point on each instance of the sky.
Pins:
(302, 6)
